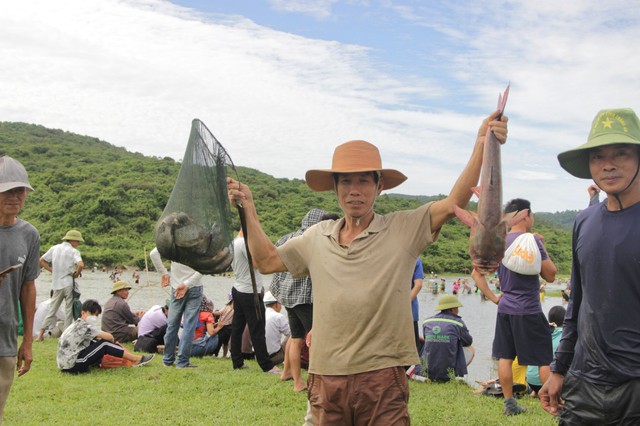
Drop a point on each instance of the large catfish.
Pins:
(489, 226)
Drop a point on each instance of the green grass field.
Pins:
(214, 394)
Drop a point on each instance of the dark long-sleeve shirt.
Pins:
(117, 316)
(601, 334)
(444, 336)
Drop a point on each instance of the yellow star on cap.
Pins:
(607, 123)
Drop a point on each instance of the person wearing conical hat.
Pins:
(595, 375)
(19, 254)
(445, 336)
(65, 264)
(118, 318)
(360, 266)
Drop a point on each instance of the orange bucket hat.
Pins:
(353, 157)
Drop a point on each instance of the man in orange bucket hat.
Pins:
(360, 266)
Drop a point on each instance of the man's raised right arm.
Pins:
(263, 251)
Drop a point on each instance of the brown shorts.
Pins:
(376, 397)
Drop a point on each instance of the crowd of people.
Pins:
(342, 279)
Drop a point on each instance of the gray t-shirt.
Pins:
(19, 244)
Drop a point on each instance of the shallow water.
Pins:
(98, 285)
(480, 318)
(478, 315)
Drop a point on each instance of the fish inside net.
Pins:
(195, 227)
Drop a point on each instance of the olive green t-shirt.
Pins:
(362, 292)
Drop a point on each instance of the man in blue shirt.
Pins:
(416, 286)
(445, 335)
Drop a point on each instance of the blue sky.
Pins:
(282, 82)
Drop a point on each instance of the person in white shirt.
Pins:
(65, 264)
(277, 330)
(185, 304)
(247, 311)
(41, 313)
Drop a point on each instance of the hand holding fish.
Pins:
(488, 225)
(496, 123)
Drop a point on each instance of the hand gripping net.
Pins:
(195, 227)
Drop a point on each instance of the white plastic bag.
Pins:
(523, 255)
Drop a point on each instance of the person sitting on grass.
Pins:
(83, 343)
(445, 336)
(225, 318)
(277, 331)
(556, 321)
(55, 330)
(118, 318)
(205, 340)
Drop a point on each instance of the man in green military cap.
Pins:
(595, 375)
(65, 264)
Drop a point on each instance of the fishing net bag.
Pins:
(195, 227)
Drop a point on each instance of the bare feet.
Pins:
(285, 377)
(299, 387)
(40, 337)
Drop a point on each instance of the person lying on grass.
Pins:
(83, 343)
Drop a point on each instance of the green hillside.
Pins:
(562, 219)
(115, 198)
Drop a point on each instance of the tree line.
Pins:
(115, 197)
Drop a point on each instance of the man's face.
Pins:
(357, 193)
(124, 293)
(86, 314)
(614, 166)
(12, 201)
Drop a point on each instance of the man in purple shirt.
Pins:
(522, 330)
(595, 376)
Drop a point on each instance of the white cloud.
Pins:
(135, 73)
(320, 9)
